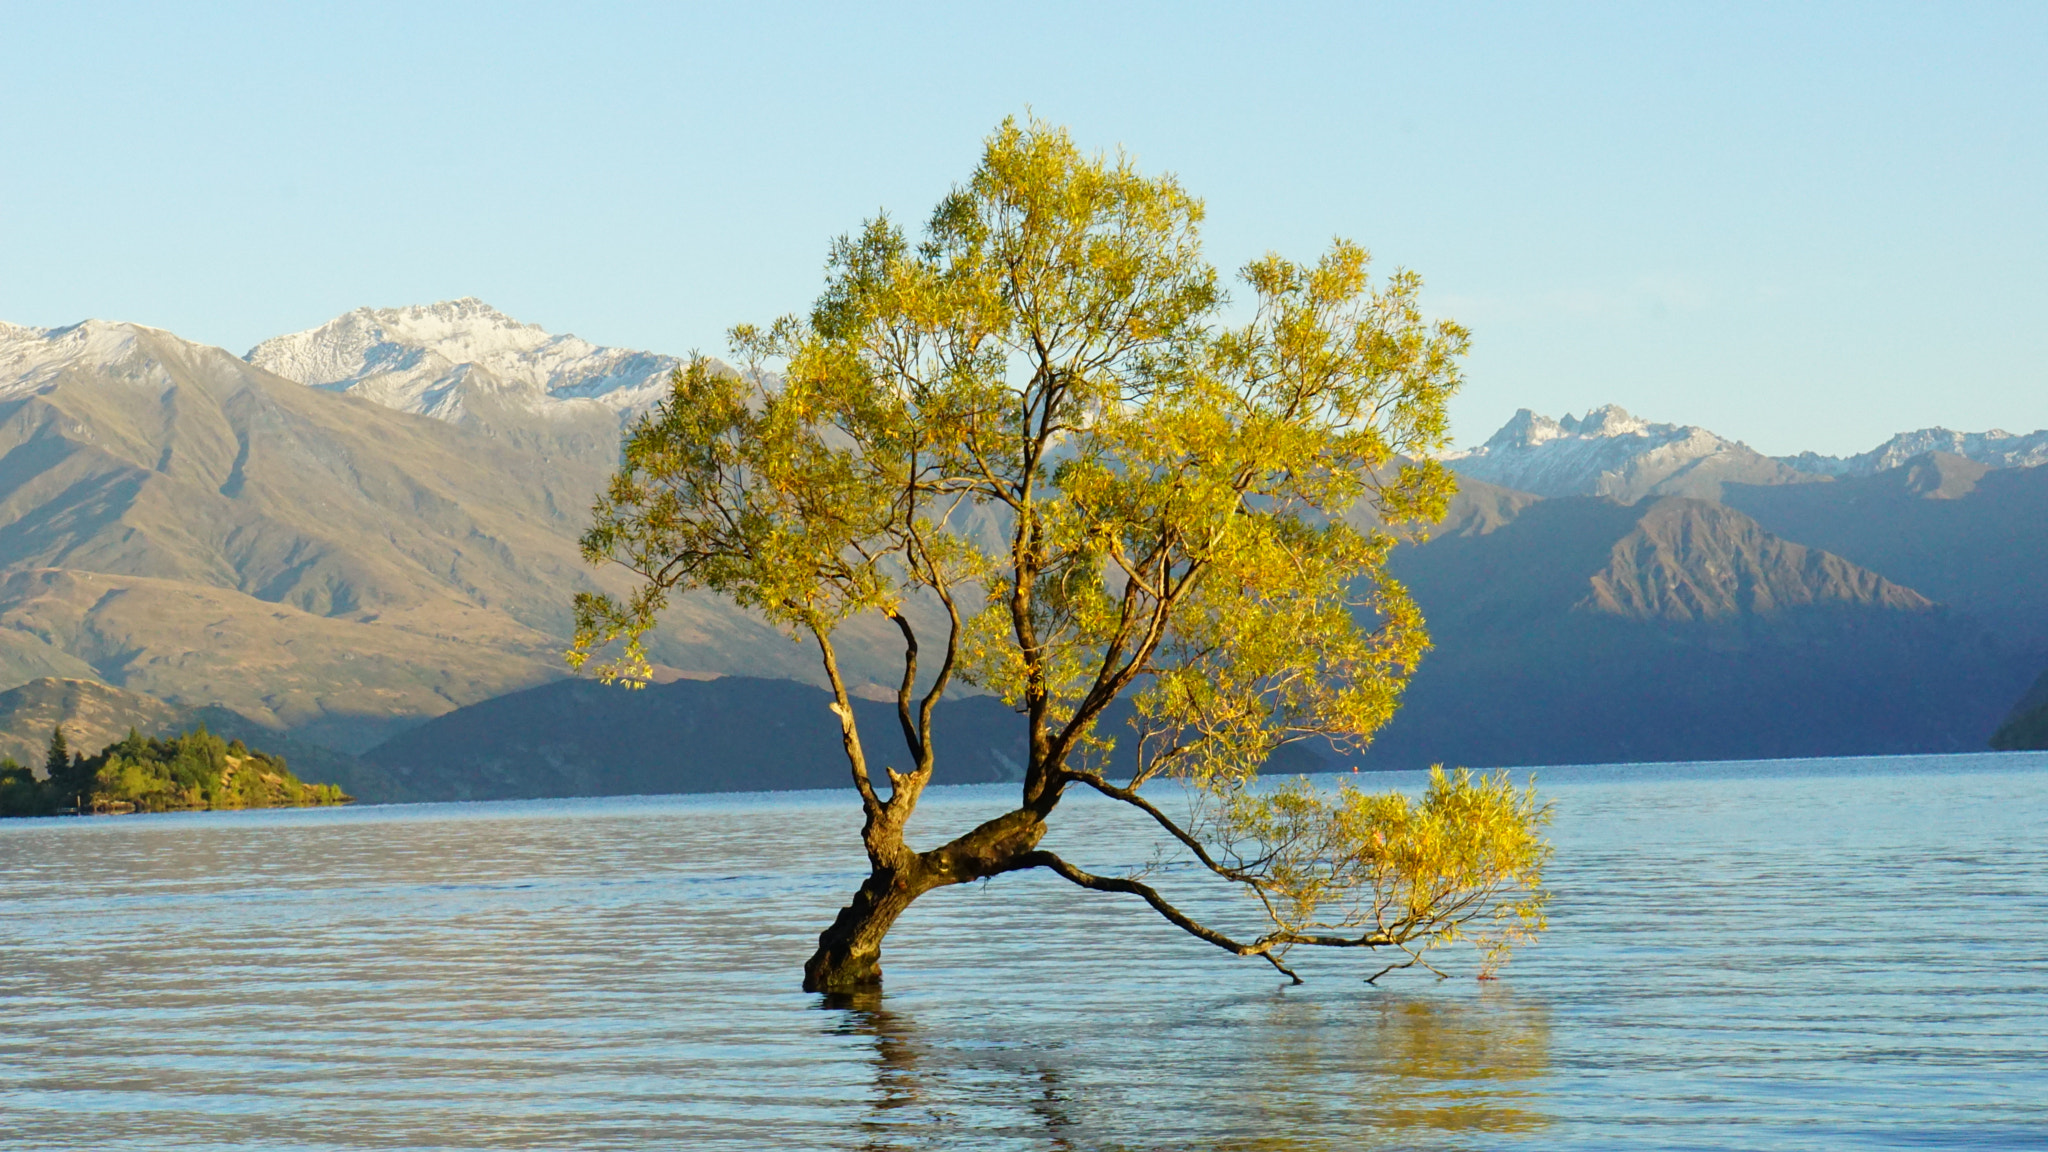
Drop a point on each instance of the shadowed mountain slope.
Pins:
(1476, 509)
(736, 734)
(1968, 535)
(1585, 631)
(2027, 727)
(1568, 630)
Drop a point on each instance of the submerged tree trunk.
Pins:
(849, 955)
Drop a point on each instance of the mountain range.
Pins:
(1583, 630)
(358, 528)
(181, 522)
(1609, 452)
(439, 359)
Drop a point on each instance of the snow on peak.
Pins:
(1996, 448)
(31, 358)
(1608, 452)
(1609, 420)
(425, 358)
(1527, 429)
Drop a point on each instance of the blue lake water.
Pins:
(1812, 954)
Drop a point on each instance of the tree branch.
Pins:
(912, 734)
(1042, 858)
(849, 736)
(1131, 797)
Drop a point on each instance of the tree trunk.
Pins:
(849, 955)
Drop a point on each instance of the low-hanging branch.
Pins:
(1030, 443)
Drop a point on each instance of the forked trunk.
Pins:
(849, 955)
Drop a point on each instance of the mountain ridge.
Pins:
(1961, 532)
(1996, 448)
(323, 563)
(170, 513)
(432, 359)
(1610, 452)
(1585, 630)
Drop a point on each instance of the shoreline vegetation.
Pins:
(192, 771)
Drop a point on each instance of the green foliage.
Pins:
(1173, 488)
(1463, 862)
(21, 794)
(57, 761)
(143, 774)
(1033, 429)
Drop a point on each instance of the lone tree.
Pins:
(57, 761)
(1032, 443)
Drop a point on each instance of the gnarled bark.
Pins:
(849, 955)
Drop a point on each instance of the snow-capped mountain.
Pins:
(1997, 448)
(33, 358)
(1611, 453)
(433, 359)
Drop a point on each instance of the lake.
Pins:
(1817, 954)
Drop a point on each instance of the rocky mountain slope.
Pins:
(1611, 453)
(1608, 452)
(180, 522)
(388, 535)
(1996, 448)
(437, 359)
(1583, 630)
(1966, 534)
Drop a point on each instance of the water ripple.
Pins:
(1821, 954)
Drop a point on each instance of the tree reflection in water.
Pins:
(1399, 1069)
(923, 1092)
(1386, 1070)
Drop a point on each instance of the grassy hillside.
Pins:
(91, 714)
(94, 715)
(176, 521)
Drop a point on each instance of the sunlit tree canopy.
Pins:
(1043, 441)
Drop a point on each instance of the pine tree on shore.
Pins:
(60, 771)
(57, 763)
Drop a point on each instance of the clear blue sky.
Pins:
(1803, 225)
